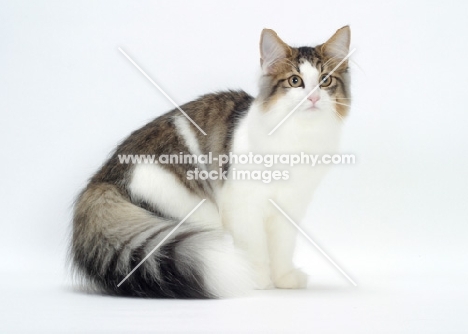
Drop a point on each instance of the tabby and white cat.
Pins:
(236, 240)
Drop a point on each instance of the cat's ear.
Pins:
(272, 51)
(337, 47)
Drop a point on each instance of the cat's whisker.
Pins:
(339, 116)
(347, 105)
(357, 65)
(343, 104)
(330, 103)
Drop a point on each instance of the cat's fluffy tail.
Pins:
(111, 236)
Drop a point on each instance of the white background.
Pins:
(396, 221)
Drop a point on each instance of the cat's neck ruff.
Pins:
(316, 132)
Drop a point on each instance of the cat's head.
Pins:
(290, 74)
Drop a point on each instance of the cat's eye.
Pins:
(325, 81)
(295, 81)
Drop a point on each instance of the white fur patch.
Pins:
(161, 188)
(186, 132)
(310, 76)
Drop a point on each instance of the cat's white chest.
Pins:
(293, 138)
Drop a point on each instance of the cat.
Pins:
(236, 240)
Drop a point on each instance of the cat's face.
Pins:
(291, 74)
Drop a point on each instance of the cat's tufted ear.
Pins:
(272, 51)
(337, 47)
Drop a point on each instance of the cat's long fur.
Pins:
(235, 241)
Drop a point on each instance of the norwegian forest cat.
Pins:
(236, 240)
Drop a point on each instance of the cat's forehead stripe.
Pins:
(307, 54)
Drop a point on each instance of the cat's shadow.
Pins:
(312, 289)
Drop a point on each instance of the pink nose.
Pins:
(314, 98)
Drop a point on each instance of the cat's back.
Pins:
(215, 110)
(216, 114)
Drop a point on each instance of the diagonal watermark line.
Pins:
(313, 90)
(313, 243)
(160, 89)
(161, 242)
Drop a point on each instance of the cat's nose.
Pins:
(314, 98)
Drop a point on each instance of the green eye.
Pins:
(295, 81)
(325, 82)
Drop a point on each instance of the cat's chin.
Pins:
(311, 112)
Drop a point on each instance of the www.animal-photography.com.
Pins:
(234, 167)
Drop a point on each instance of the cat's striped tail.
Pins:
(111, 236)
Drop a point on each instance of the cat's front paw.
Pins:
(295, 279)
